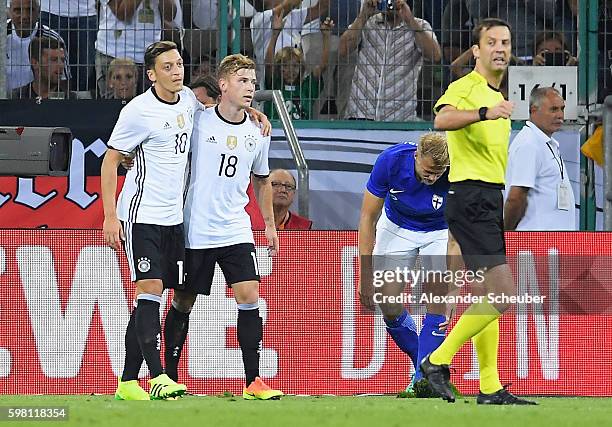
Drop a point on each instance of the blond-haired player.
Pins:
(227, 149)
(403, 216)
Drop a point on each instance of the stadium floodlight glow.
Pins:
(34, 151)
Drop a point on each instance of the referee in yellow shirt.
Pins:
(477, 120)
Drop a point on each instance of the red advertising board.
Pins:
(66, 298)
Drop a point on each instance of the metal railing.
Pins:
(276, 97)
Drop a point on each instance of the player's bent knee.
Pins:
(246, 292)
(391, 311)
(149, 286)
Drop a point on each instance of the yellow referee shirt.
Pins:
(478, 151)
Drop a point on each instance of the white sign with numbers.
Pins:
(522, 80)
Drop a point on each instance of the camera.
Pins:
(555, 58)
(383, 5)
(35, 151)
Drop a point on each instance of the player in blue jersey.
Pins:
(411, 182)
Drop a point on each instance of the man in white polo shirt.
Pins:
(539, 195)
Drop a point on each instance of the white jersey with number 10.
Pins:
(157, 134)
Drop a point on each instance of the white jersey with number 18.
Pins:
(223, 156)
(158, 134)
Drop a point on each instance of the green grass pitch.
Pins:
(293, 411)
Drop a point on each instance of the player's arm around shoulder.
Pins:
(108, 177)
(260, 120)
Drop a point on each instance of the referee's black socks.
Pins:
(148, 331)
(175, 334)
(250, 333)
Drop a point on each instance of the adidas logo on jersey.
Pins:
(167, 126)
(211, 140)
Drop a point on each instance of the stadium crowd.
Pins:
(386, 60)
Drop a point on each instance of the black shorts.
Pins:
(238, 264)
(474, 212)
(155, 251)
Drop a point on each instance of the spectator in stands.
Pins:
(174, 30)
(338, 75)
(432, 11)
(122, 78)
(125, 30)
(206, 89)
(539, 195)
(392, 45)
(77, 22)
(206, 66)
(201, 39)
(47, 59)
(22, 27)
(283, 185)
(550, 49)
(456, 30)
(527, 19)
(296, 22)
(286, 72)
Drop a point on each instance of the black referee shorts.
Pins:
(237, 262)
(474, 212)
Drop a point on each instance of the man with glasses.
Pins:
(410, 182)
(283, 186)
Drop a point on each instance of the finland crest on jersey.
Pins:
(437, 201)
(223, 156)
(157, 134)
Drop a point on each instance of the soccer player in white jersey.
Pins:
(155, 128)
(226, 149)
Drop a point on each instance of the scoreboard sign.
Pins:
(523, 79)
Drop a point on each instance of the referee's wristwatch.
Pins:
(482, 112)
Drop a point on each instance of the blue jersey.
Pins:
(408, 202)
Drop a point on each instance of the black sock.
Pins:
(175, 333)
(250, 332)
(133, 355)
(148, 329)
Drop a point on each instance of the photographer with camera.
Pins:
(551, 50)
(392, 44)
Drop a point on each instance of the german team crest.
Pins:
(180, 120)
(250, 143)
(436, 201)
(232, 142)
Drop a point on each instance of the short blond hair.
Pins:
(287, 55)
(121, 63)
(231, 64)
(434, 145)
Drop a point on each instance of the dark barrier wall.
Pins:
(54, 201)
